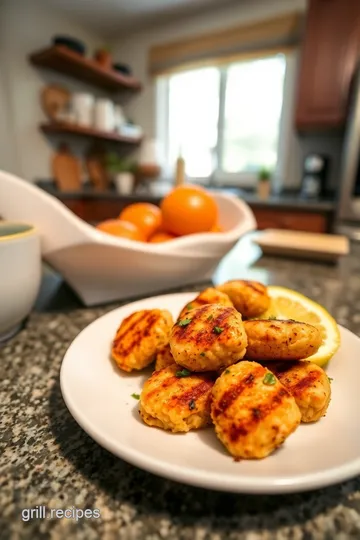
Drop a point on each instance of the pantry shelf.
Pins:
(63, 60)
(71, 129)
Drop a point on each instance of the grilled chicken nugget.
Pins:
(164, 358)
(174, 402)
(209, 338)
(309, 385)
(208, 296)
(252, 411)
(250, 298)
(139, 337)
(281, 340)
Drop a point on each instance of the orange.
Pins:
(188, 209)
(161, 237)
(124, 229)
(146, 216)
(216, 228)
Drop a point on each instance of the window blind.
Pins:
(244, 41)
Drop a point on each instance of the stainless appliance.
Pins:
(348, 212)
(315, 172)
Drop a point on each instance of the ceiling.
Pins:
(113, 18)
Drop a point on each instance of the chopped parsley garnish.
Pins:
(217, 330)
(192, 404)
(272, 318)
(184, 322)
(135, 396)
(202, 354)
(189, 306)
(330, 379)
(182, 373)
(269, 379)
(210, 317)
(227, 371)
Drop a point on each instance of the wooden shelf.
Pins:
(63, 60)
(71, 129)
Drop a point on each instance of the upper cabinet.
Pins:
(330, 52)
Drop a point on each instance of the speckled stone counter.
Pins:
(46, 458)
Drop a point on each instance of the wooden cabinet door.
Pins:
(330, 52)
(291, 220)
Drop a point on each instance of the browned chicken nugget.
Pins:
(281, 340)
(164, 358)
(208, 296)
(252, 411)
(250, 298)
(309, 385)
(209, 338)
(139, 337)
(175, 401)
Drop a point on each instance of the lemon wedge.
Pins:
(289, 304)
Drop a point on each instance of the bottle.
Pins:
(180, 171)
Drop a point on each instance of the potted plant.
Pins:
(103, 57)
(264, 183)
(122, 172)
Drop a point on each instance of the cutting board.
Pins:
(54, 99)
(326, 247)
(66, 170)
(98, 175)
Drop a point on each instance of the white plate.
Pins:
(99, 398)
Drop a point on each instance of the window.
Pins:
(224, 120)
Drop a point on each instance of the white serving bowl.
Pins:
(103, 268)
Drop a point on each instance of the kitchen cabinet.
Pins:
(329, 55)
(93, 210)
(319, 222)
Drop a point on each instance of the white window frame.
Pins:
(219, 177)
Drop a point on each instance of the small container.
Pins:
(104, 115)
(120, 119)
(124, 183)
(103, 58)
(20, 274)
(83, 109)
(264, 189)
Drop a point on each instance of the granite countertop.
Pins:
(46, 458)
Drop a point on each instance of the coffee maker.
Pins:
(315, 173)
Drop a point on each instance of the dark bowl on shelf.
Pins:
(71, 43)
(122, 68)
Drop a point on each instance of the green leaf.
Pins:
(269, 379)
(182, 373)
(189, 306)
(184, 322)
(217, 330)
(264, 174)
(330, 379)
(135, 396)
(210, 317)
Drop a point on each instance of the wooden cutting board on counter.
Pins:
(322, 247)
(66, 170)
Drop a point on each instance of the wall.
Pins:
(134, 50)
(24, 28)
